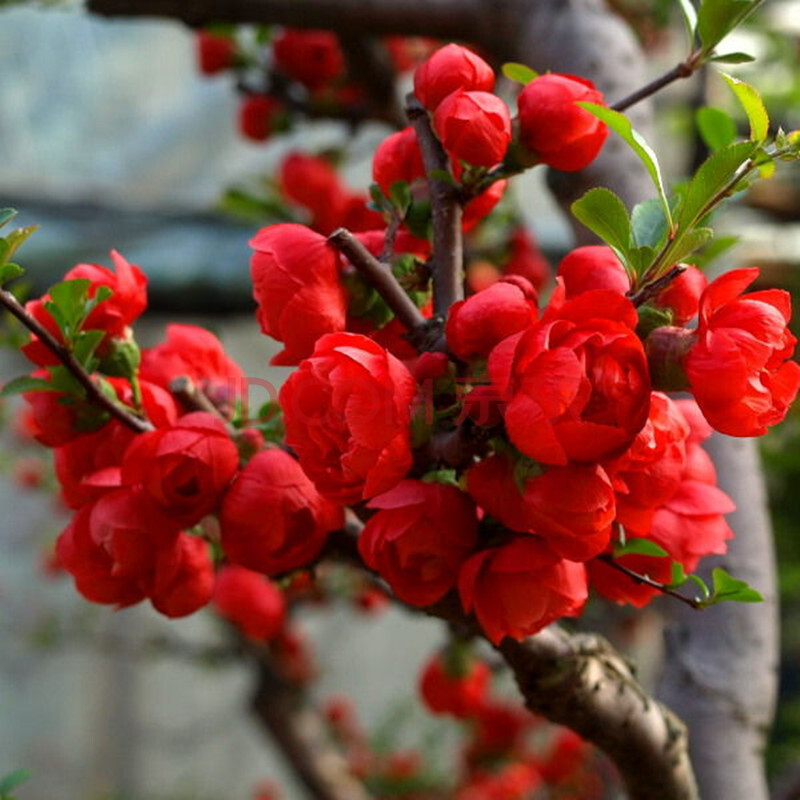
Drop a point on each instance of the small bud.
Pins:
(666, 349)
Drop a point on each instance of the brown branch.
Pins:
(282, 708)
(380, 277)
(93, 393)
(645, 580)
(654, 288)
(448, 248)
(685, 69)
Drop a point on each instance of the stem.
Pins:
(448, 247)
(685, 69)
(380, 277)
(654, 288)
(647, 581)
(65, 356)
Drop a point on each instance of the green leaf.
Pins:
(443, 175)
(689, 243)
(400, 195)
(689, 18)
(640, 547)
(605, 214)
(6, 215)
(621, 125)
(753, 106)
(714, 250)
(679, 576)
(68, 300)
(14, 779)
(26, 384)
(521, 73)
(733, 58)
(726, 587)
(101, 295)
(648, 223)
(717, 128)
(14, 239)
(84, 345)
(714, 175)
(717, 18)
(10, 271)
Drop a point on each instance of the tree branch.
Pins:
(65, 356)
(299, 731)
(685, 69)
(448, 248)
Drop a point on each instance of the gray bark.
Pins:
(721, 672)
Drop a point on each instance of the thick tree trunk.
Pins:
(721, 671)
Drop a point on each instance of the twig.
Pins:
(685, 69)
(65, 356)
(647, 581)
(448, 248)
(380, 277)
(654, 288)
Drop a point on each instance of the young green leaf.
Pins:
(689, 19)
(14, 239)
(10, 271)
(6, 215)
(726, 587)
(648, 223)
(26, 383)
(621, 125)
(679, 576)
(717, 18)
(689, 243)
(639, 547)
(400, 195)
(605, 214)
(733, 58)
(521, 73)
(67, 304)
(753, 106)
(717, 128)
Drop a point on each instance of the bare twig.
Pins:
(685, 69)
(654, 288)
(65, 356)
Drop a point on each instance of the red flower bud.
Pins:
(250, 601)
(593, 266)
(458, 694)
(183, 580)
(563, 135)
(474, 127)
(310, 57)
(451, 68)
(397, 158)
(215, 53)
(682, 296)
(257, 113)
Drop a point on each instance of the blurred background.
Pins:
(111, 138)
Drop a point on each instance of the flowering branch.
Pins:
(448, 249)
(93, 394)
(654, 288)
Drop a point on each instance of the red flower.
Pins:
(183, 579)
(571, 508)
(650, 471)
(738, 368)
(476, 325)
(273, 519)
(397, 158)
(310, 57)
(193, 352)
(481, 206)
(250, 601)
(682, 296)
(295, 275)
(257, 116)
(419, 538)
(562, 134)
(474, 127)
(183, 469)
(594, 266)
(313, 183)
(450, 68)
(347, 414)
(519, 588)
(215, 53)
(57, 418)
(113, 315)
(577, 382)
